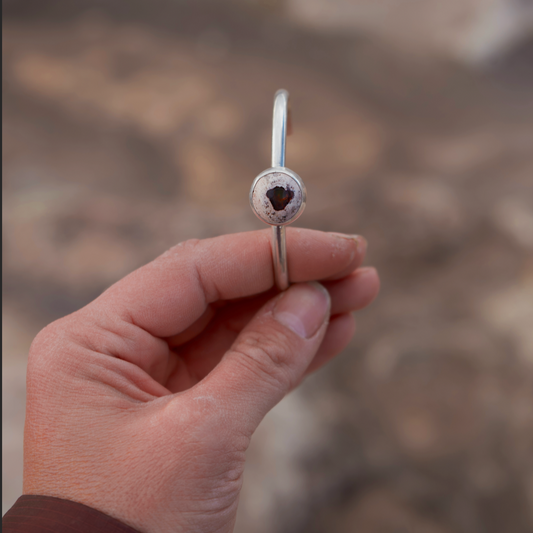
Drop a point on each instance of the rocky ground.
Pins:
(126, 132)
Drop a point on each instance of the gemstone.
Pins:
(279, 197)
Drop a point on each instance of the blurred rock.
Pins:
(156, 103)
(514, 216)
(511, 311)
(129, 129)
(473, 32)
(381, 511)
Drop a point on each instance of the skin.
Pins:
(142, 404)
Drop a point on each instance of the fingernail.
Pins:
(303, 308)
(365, 271)
(360, 242)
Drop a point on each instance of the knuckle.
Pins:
(42, 354)
(193, 252)
(188, 245)
(52, 345)
(271, 356)
(47, 337)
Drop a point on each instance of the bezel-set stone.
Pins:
(293, 197)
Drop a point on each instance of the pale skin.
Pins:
(143, 403)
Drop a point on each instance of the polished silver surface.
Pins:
(280, 125)
(275, 180)
(279, 256)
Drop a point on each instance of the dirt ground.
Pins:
(126, 132)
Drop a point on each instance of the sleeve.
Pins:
(45, 514)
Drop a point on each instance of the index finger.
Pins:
(167, 295)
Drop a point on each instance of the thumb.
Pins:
(270, 356)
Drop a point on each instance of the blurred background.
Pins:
(131, 126)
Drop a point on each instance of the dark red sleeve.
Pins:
(44, 514)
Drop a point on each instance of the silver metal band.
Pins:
(280, 128)
(281, 125)
(279, 256)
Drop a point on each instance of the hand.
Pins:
(142, 404)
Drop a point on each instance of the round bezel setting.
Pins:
(278, 182)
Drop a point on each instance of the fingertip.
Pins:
(318, 255)
(358, 246)
(354, 291)
(369, 276)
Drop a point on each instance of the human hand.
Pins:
(142, 404)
